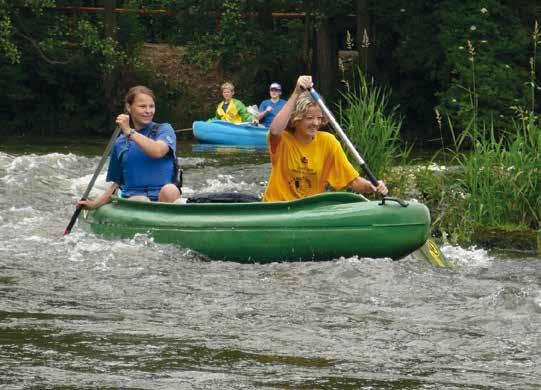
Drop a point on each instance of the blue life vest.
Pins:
(142, 174)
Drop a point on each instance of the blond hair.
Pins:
(302, 105)
(228, 85)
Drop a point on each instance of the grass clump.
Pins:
(503, 174)
(372, 126)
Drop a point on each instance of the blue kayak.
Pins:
(227, 133)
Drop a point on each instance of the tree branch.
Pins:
(40, 52)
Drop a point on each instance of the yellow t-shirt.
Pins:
(301, 170)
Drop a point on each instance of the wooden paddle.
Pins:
(106, 153)
(429, 251)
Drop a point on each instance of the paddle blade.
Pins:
(432, 253)
(72, 220)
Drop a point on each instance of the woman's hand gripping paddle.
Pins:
(429, 251)
(106, 153)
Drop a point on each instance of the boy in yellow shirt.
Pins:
(230, 109)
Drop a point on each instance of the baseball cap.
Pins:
(275, 86)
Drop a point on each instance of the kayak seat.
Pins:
(223, 197)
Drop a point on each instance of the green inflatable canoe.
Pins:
(321, 227)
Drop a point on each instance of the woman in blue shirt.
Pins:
(143, 157)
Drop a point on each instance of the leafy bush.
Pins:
(55, 67)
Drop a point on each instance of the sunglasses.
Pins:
(275, 90)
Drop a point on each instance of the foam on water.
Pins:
(472, 257)
(79, 185)
(195, 162)
(38, 239)
(537, 301)
(226, 183)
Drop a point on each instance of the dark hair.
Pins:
(134, 91)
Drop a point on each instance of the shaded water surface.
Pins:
(82, 311)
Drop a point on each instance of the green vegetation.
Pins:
(497, 183)
(54, 66)
(485, 47)
(372, 126)
(503, 175)
(70, 68)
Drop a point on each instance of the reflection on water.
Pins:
(226, 149)
(82, 311)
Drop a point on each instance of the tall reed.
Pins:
(372, 126)
(502, 173)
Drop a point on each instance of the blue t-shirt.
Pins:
(269, 116)
(135, 171)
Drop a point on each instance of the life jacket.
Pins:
(177, 170)
(232, 113)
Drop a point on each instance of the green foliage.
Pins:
(502, 174)
(10, 50)
(498, 182)
(448, 203)
(206, 51)
(372, 125)
(495, 183)
(10, 10)
(222, 36)
(57, 64)
(485, 54)
(421, 50)
(416, 48)
(404, 39)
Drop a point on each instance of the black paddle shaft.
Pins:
(344, 137)
(106, 153)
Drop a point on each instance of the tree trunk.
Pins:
(364, 37)
(264, 15)
(264, 71)
(325, 69)
(110, 32)
(110, 18)
(307, 43)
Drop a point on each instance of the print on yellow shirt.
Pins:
(301, 182)
(301, 170)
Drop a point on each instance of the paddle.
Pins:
(186, 130)
(106, 153)
(429, 251)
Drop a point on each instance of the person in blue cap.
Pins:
(270, 107)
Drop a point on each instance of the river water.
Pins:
(83, 311)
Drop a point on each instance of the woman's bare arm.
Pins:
(282, 118)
